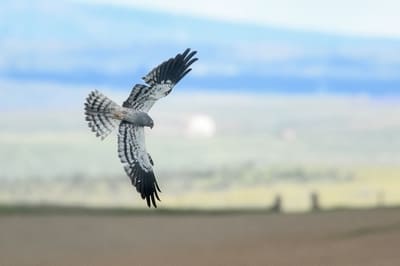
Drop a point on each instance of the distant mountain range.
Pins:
(97, 44)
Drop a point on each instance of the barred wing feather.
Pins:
(99, 112)
(137, 162)
(160, 81)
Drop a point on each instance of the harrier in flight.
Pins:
(104, 114)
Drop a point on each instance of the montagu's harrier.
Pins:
(103, 115)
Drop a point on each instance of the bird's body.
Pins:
(137, 118)
(104, 114)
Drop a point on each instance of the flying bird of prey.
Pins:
(104, 114)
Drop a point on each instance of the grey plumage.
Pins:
(103, 114)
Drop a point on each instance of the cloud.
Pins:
(352, 17)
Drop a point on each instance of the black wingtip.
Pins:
(173, 69)
(191, 54)
(146, 184)
(148, 201)
(187, 55)
(187, 50)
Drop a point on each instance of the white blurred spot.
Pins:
(289, 134)
(200, 125)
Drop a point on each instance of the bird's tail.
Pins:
(99, 112)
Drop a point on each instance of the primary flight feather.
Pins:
(104, 114)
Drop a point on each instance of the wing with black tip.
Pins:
(137, 162)
(172, 70)
(160, 81)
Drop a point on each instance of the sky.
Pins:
(258, 46)
(352, 17)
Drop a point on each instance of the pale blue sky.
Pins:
(252, 45)
(352, 17)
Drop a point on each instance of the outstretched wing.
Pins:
(160, 81)
(137, 162)
(172, 70)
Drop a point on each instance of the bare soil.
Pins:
(370, 237)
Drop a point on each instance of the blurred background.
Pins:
(290, 102)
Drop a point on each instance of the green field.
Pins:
(345, 148)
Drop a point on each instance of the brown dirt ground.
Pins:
(329, 238)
